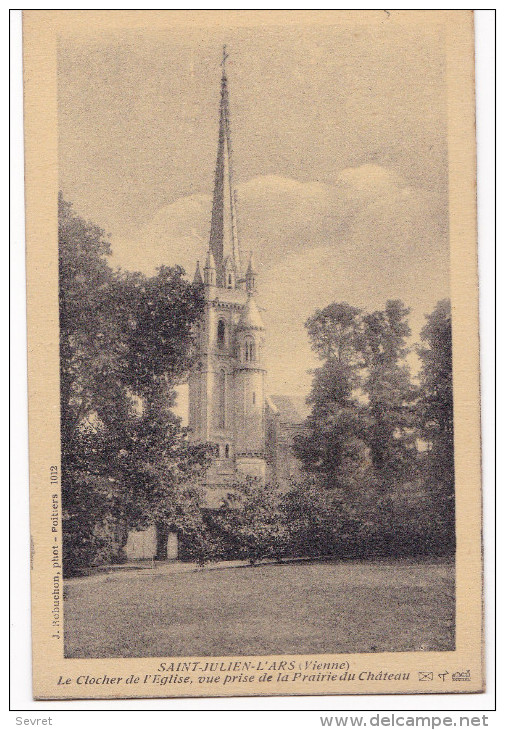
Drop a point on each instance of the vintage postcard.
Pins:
(253, 376)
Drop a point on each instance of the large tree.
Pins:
(367, 421)
(436, 401)
(436, 424)
(125, 343)
(390, 415)
(89, 355)
(332, 443)
(362, 396)
(435, 411)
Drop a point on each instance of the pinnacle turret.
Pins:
(209, 271)
(250, 275)
(229, 272)
(197, 279)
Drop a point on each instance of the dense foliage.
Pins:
(377, 440)
(125, 343)
(377, 447)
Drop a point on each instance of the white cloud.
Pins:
(365, 239)
(175, 235)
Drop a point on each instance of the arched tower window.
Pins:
(250, 350)
(221, 334)
(227, 451)
(221, 406)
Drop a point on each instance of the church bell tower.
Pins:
(227, 382)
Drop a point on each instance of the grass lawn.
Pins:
(295, 608)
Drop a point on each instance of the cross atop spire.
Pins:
(223, 230)
(225, 56)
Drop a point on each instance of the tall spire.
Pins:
(223, 230)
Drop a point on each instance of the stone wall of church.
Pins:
(249, 403)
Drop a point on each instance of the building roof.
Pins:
(251, 317)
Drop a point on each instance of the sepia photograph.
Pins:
(254, 304)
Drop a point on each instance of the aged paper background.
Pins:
(41, 32)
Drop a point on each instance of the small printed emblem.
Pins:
(425, 676)
(461, 676)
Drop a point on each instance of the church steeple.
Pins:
(227, 383)
(223, 230)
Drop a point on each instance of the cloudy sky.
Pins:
(340, 162)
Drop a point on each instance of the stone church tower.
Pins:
(252, 434)
(227, 404)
